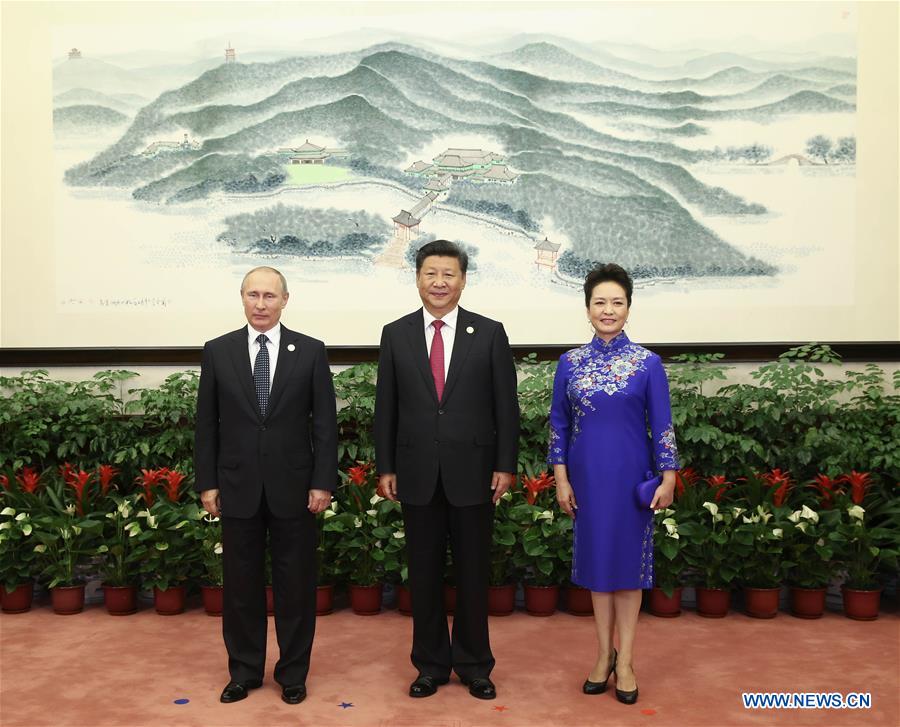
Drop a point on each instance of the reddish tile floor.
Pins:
(95, 669)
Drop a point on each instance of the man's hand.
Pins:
(387, 486)
(210, 500)
(318, 500)
(500, 483)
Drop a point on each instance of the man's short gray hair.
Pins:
(268, 269)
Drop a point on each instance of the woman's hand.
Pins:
(665, 493)
(565, 496)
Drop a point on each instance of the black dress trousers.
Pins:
(244, 624)
(435, 652)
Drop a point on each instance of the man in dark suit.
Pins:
(446, 443)
(265, 458)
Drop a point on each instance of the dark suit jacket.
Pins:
(472, 432)
(287, 452)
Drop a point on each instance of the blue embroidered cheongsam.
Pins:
(606, 396)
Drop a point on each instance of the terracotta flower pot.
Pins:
(19, 599)
(761, 602)
(404, 600)
(449, 598)
(501, 599)
(579, 602)
(665, 606)
(212, 600)
(67, 600)
(365, 600)
(861, 605)
(120, 600)
(270, 601)
(541, 600)
(324, 600)
(713, 602)
(807, 602)
(170, 601)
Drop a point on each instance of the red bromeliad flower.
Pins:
(4, 482)
(79, 481)
(533, 486)
(686, 477)
(29, 480)
(359, 474)
(173, 483)
(781, 481)
(106, 473)
(859, 482)
(826, 487)
(720, 483)
(149, 479)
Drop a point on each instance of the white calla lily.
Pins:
(8, 511)
(794, 517)
(856, 512)
(712, 507)
(809, 514)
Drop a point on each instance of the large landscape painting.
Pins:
(715, 170)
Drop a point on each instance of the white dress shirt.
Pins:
(448, 334)
(274, 336)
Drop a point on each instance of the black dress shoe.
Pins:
(425, 686)
(590, 687)
(482, 688)
(626, 697)
(294, 694)
(236, 691)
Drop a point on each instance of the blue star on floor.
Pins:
(345, 705)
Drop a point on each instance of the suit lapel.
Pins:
(416, 336)
(462, 343)
(240, 358)
(288, 354)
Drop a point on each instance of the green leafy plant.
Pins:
(18, 559)
(808, 549)
(121, 552)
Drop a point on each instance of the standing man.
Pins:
(446, 443)
(265, 457)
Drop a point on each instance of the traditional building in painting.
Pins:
(158, 147)
(229, 54)
(473, 165)
(308, 153)
(547, 253)
(74, 54)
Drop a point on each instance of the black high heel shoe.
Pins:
(626, 697)
(590, 687)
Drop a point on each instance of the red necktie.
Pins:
(436, 359)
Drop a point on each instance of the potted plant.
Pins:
(761, 535)
(170, 555)
(326, 561)
(542, 553)
(121, 555)
(18, 559)
(207, 532)
(711, 553)
(502, 588)
(67, 539)
(669, 563)
(865, 543)
(809, 550)
(362, 528)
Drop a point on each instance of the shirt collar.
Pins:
(449, 319)
(620, 340)
(273, 334)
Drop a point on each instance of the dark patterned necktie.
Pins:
(261, 373)
(436, 359)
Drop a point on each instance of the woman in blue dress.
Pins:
(607, 396)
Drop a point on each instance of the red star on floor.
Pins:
(501, 708)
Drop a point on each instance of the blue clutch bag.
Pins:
(646, 490)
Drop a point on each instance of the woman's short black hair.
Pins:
(442, 248)
(607, 272)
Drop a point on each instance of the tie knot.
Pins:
(437, 325)
(262, 339)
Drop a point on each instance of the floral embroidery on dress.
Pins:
(647, 556)
(601, 367)
(557, 455)
(667, 452)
